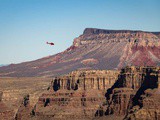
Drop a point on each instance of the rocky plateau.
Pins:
(94, 49)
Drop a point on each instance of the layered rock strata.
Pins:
(150, 107)
(95, 49)
(126, 94)
(76, 95)
(131, 94)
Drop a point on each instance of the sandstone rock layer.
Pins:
(131, 94)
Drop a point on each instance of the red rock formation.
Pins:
(126, 94)
(150, 109)
(76, 95)
(133, 94)
(105, 49)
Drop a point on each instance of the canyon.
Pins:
(105, 74)
(129, 94)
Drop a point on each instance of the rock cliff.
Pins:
(74, 96)
(81, 91)
(131, 94)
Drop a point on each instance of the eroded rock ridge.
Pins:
(129, 94)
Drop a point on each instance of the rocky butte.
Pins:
(76, 95)
(129, 94)
(95, 49)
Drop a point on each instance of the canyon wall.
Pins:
(86, 80)
(76, 95)
(129, 94)
(129, 90)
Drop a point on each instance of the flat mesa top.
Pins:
(105, 31)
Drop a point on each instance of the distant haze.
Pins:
(3, 65)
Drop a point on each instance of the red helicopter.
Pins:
(51, 43)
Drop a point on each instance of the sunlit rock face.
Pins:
(76, 95)
(95, 49)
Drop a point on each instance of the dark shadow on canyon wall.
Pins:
(56, 84)
(117, 84)
(150, 82)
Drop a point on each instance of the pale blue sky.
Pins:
(25, 25)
